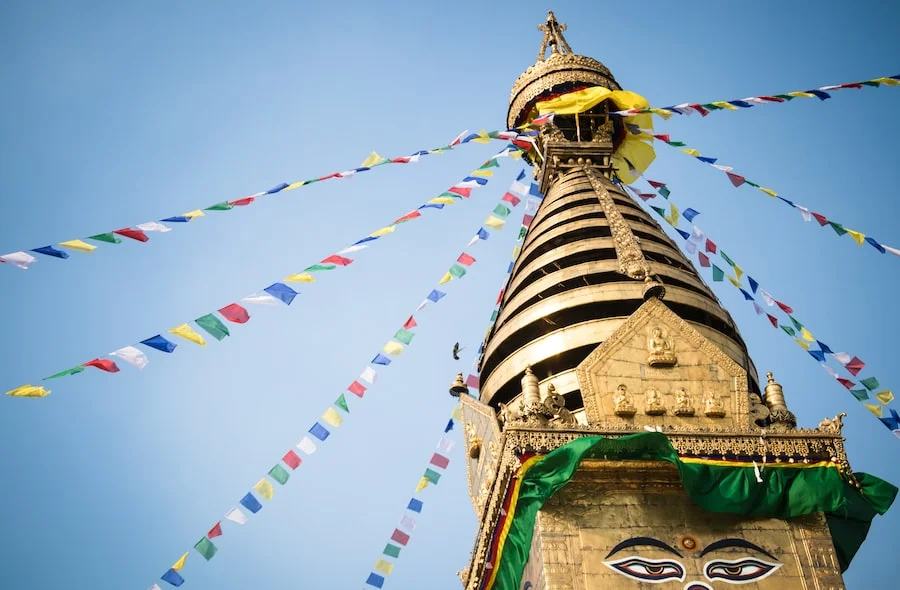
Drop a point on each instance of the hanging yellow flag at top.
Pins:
(78, 245)
(180, 563)
(886, 396)
(29, 391)
(876, 409)
(188, 333)
(373, 159)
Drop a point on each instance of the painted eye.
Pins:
(647, 570)
(739, 571)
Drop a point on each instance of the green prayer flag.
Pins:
(457, 271)
(837, 227)
(677, 143)
(664, 192)
(206, 548)
(718, 274)
(341, 402)
(67, 372)
(751, 183)
(212, 326)
(391, 550)
(790, 331)
(712, 107)
(447, 194)
(860, 394)
(494, 316)
(110, 238)
(432, 475)
(403, 335)
(660, 210)
(726, 258)
(279, 474)
(871, 83)
(522, 231)
(871, 383)
(316, 267)
(223, 206)
(491, 163)
(797, 324)
(502, 211)
(786, 97)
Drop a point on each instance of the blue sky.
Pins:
(114, 114)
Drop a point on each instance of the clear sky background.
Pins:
(116, 113)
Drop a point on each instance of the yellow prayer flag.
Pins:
(180, 563)
(806, 335)
(888, 81)
(768, 191)
(725, 105)
(486, 173)
(494, 222)
(383, 231)
(300, 278)
(393, 348)
(738, 271)
(373, 159)
(188, 333)
(384, 567)
(423, 483)
(443, 200)
(445, 279)
(78, 245)
(874, 408)
(483, 137)
(690, 152)
(516, 251)
(734, 281)
(801, 94)
(332, 417)
(662, 113)
(295, 185)
(264, 488)
(456, 414)
(858, 236)
(802, 344)
(195, 213)
(885, 396)
(515, 155)
(29, 391)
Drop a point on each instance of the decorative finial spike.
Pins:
(553, 37)
(458, 387)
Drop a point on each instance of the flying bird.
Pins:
(456, 351)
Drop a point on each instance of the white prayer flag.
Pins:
(690, 246)
(20, 259)
(830, 371)
(368, 375)
(769, 301)
(235, 515)
(355, 248)
(759, 310)
(154, 587)
(472, 241)
(722, 168)
(408, 523)
(132, 356)
(893, 251)
(696, 234)
(805, 213)
(153, 226)
(841, 357)
(422, 305)
(306, 445)
(531, 205)
(445, 444)
(261, 299)
(519, 187)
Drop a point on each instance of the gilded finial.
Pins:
(458, 387)
(553, 36)
(780, 417)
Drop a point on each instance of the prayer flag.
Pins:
(400, 537)
(179, 565)
(48, 251)
(870, 383)
(375, 580)
(103, 364)
(28, 391)
(368, 375)
(734, 282)
(408, 216)
(222, 206)
(408, 523)
(403, 335)
(307, 445)
(372, 160)
(177, 219)
(704, 259)
(235, 313)
(837, 227)
(79, 246)
(300, 278)
(423, 483)
(854, 366)
(213, 326)
(665, 192)
(472, 381)
(188, 333)
(341, 402)
(216, 531)
(806, 335)
(380, 359)
(260, 299)
(250, 503)
(243, 202)
(690, 214)
(393, 348)
(132, 356)
(462, 191)
(432, 475)
(383, 231)
(159, 343)
(195, 213)
(109, 238)
(736, 179)
(718, 273)
(335, 259)
(439, 461)
(457, 271)
(282, 292)
(446, 444)
(435, 295)
(332, 417)
(773, 320)
(264, 489)
(235, 515)
(206, 548)
(511, 199)
(710, 246)
(66, 373)
(871, 241)
(449, 425)
(319, 431)
(414, 505)
(384, 567)
(465, 259)
(885, 396)
(753, 284)
(391, 550)
(502, 211)
(494, 222)
(410, 323)
(153, 226)
(292, 459)
(859, 237)
(134, 234)
(446, 278)
(172, 577)
(279, 474)
(876, 409)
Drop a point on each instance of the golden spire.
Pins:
(553, 36)
(780, 417)
(458, 387)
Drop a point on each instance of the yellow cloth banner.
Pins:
(29, 391)
(195, 213)
(806, 335)
(332, 417)
(738, 271)
(485, 173)
(383, 231)
(516, 251)
(384, 567)
(78, 245)
(445, 279)
(888, 81)
(886, 396)
(494, 222)
(734, 281)
(456, 414)
(725, 105)
(295, 185)
(264, 488)
(874, 408)
(300, 278)
(180, 563)
(802, 344)
(393, 348)
(858, 236)
(800, 94)
(690, 152)
(188, 333)
(423, 483)
(483, 137)
(371, 160)
(443, 200)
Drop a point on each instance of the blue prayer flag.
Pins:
(51, 251)
(449, 426)
(381, 359)
(707, 160)
(740, 103)
(481, 181)
(278, 188)
(282, 292)
(511, 264)
(415, 505)
(435, 295)
(746, 295)
(483, 234)
(791, 203)
(634, 129)
(753, 284)
(820, 94)
(319, 431)
(892, 421)
(690, 214)
(159, 343)
(375, 579)
(824, 347)
(534, 191)
(172, 577)
(364, 240)
(521, 175)
(817, 354)
(251, 503)
(466, 139)
(683, 233)
(432, 206)
(177, 219)
(875, 244)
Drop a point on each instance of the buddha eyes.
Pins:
(740, 571)
(648, 570)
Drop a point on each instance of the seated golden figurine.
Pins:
(683, 405)
(713, 406)
(661, 353)
(654, 403)
(624, 404)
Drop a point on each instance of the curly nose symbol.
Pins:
(696, 586)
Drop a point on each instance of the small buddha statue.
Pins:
(713, 406)
(683, 405)
(661, 353)
(654, 403)
(624, 404)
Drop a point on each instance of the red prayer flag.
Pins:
(400, 537)
(332, 175)
(773, 320)
(771, 98)
(703, 112)
(216, 531)
(463, 191)
(655, 184)
(851, 85)
(104, 365)
(820, 218)
(292, 460)
(663, 136)
(854, 366)
(235, 313)
(527, 219)
(440, 461)
(134, 234)
(846, 383)
(511, 199)
(472, 381)
(522, 144)
(335, 259)
(408, 216)
(499, 297)
(785, 308)
(704, 259)
(356, 389)
(736, 179)
(646, 196)
(403, 160)
(710, 246)
(465, 259)
(410, 323)
(242, 202)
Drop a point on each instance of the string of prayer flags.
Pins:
(799, 333)
(400, 537)
(745, 103)
(738, 180)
